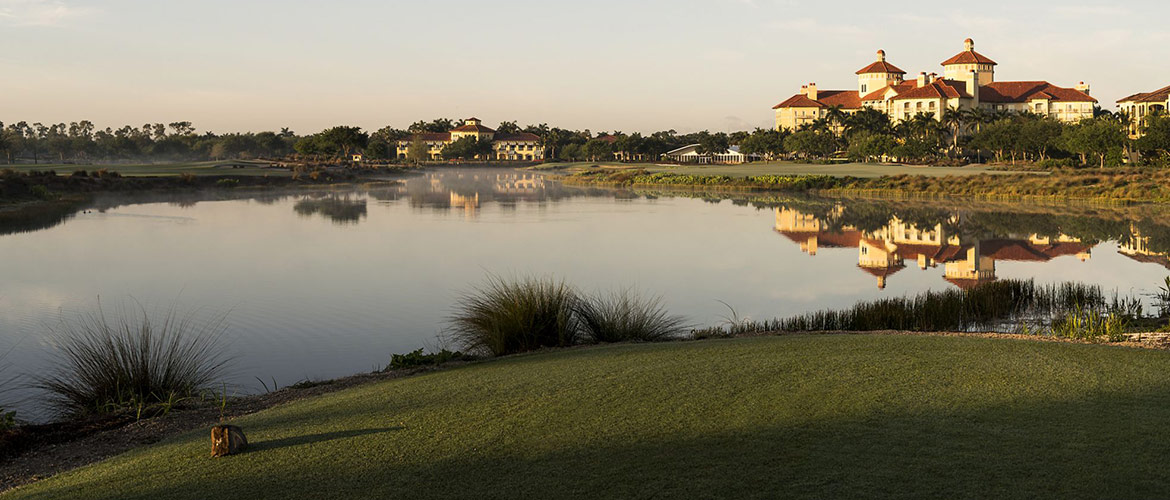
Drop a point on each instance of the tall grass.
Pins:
(996, 306)
(510, 316)
(133, 361)
(505, 317)
(627, 316)
(7, 382)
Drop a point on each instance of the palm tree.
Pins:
(836, 116)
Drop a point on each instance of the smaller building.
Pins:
(690, 154)
(521, 146)
(1139, 107)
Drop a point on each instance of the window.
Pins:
(863, 86)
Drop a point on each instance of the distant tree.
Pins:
(1154, 144)
(866, 146)
(766, 142)
(816, 143)
(508, 128)
(597, 149)
(418, 151)
(1095, 137)
(437, 125)
(709, 143)
(343, 139)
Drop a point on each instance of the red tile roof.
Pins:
(881, 67)
(1151, 259)
(1026, 91)
(968, 283)
(879, 94)
(826, 239)
(1160, 95)
(969, 57)
(429, 136)
(950, 89)
(473, 128)
(882, 271)
(520, 137)
(847, 99)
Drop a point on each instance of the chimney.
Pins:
(812, 91)
(969, 45)
(973, 86)
(881, 55)
(1083, 87)
(804, 90)
(922, 79)
(933, 77)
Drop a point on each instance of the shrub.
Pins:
(1090, 324)
(227, 182)
(43, 193)
(133, 362)
(417, 358)
(506, 317)
(626, 316)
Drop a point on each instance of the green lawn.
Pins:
(787, 168)
(778, 417)
(226, 167)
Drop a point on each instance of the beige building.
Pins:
(510, 147)
(968, 82)
(1140, 106)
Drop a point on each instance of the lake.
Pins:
(324, 283)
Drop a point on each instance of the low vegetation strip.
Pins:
(1125, 185)
(792, 417)
(1073, 310)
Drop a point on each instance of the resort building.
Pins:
(1140, 106)
(968, 82)
(511, 147)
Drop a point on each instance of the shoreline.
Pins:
(50, 450)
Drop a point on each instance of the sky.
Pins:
(602, 65)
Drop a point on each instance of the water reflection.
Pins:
(339, 209)
(967, 244)
(411, 246)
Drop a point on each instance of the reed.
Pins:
(996, 306)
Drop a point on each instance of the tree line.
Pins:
(866, 135)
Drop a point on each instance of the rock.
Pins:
(227, 440)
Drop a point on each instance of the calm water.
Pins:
(329, 283)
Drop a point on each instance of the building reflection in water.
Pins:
(1138, 247)
(967, 261)
(467, 190)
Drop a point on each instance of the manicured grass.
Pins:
(867, 170)
(774, 417)
(225, 167)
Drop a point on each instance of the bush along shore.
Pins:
(130, 366)
(48, 187)
(1113, 185)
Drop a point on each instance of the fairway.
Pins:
(786, 168)
(777, 417)
(224, 167)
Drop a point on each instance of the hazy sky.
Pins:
(634, 65)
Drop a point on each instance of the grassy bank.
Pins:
(218, 167)
(792, 417)
(1103, 185)
(864, 170)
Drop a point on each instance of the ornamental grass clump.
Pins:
(506, 317)
(627, 316)
(134, 361)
